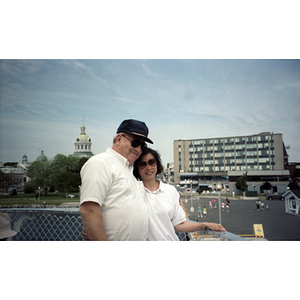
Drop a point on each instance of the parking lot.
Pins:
(277, 224)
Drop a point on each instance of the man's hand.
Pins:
(84, 234)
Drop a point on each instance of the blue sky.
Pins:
(43, 102)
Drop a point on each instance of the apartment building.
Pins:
(223, 160)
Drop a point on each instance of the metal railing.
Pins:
(45, 224)
(65, 224)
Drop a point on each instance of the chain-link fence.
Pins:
(65, 224)
(46, 224)
(50, 224)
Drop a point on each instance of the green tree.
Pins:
(294, 185)
(241, 183)
(10, 164)
(266, 186)
(5, 181)
(62, 173)
(65, 173)
(39, 174)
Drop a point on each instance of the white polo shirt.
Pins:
(164, 213)
(108, 180)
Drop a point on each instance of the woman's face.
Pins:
(147, 167)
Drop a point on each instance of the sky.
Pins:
(44, 102)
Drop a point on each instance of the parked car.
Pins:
(275, 196)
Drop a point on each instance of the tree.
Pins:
(294, 185)
(39, 174)
(5, 181)
(241, 183)
(266, 186)
(65, 172)
(10, 164)
(62, 173)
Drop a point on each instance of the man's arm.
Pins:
(92, 221)
(191, 226)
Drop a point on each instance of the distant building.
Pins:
(16, 174)
(169, 172)
(223, 160)
(294, 169)
(42, 157)
(25, 160)
(83, 145)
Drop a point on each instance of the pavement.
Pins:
(277, 224)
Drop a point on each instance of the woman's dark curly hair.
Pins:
(156, 156)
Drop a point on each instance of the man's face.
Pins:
(123, 147)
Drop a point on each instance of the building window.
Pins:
(251, 153)
(229, 147)
(240, 140)
(251, 146)
(231, 140)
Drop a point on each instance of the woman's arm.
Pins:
(191, 226)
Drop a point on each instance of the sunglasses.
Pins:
(136, 142)
(151, 162)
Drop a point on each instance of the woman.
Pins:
(162, 200)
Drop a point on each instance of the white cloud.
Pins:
(42, 103)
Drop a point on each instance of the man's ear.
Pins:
(118, 139)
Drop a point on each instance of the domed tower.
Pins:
(24, 160)
(42, 157)
(83, 145)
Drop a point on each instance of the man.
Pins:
(111, 201)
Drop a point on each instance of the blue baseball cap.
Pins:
(135, 127)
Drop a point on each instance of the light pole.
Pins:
(219, 189)
(192, 208)
(39, 193)
(186, 201)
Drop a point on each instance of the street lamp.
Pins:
(39, 193)
(192, 208)
(219, 189)
(186, 201)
